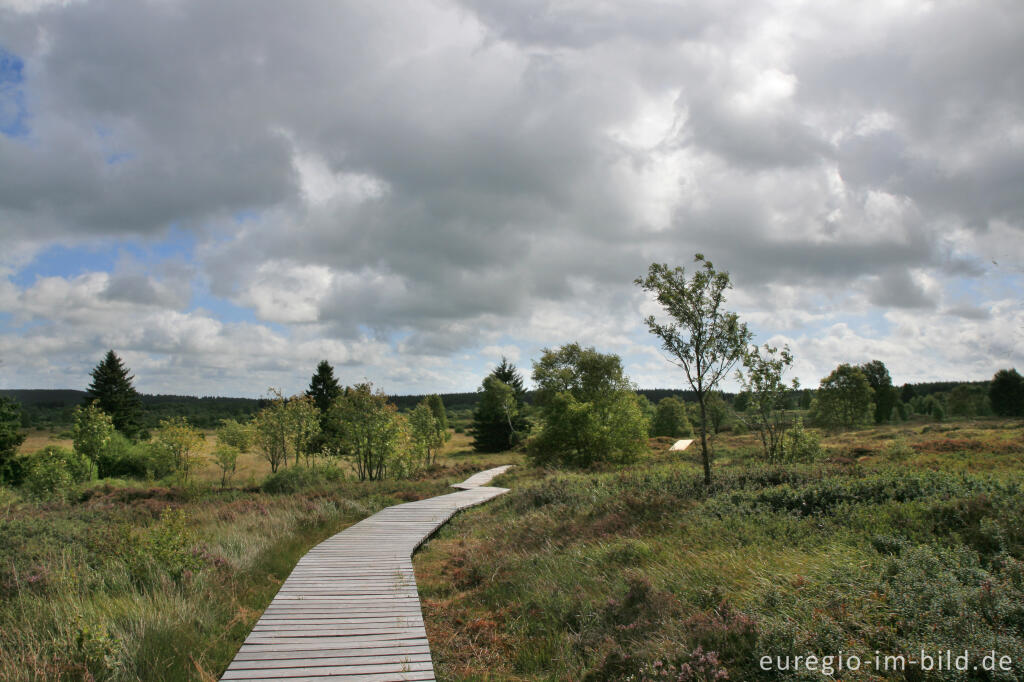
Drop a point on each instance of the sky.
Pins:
(226, 193)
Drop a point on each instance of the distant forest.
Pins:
(45, 409)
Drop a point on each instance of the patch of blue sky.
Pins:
(247, 216)
(13, 110)
(221, 308)
(69, 261)
(119, 157)
(8, 323)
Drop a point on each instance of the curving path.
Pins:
(350, 611)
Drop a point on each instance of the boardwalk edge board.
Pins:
(350, 608)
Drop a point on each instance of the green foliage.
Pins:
(670, 419)
(704, 339)
(884, 394)
(799, 444)
(426, 433)
(767, 395)
(303, 422)
(226, 458)
(716, 411)
(180, 442)
(236, 434)
(82, 595)
(272, 431)
(591, 413)
(440, 413)
(498, 421)
(580, 434)
(123, 459)
(1006, 391)
(968, 400)
(365, 430)
(99, 651)
(54, 471)
(92, 432)
(295, 479)
(112, 388)
(844, 399)
(323, 387)
(507, 373)
(170, 543)
(10, 434)
(495, 417)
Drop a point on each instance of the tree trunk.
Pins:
(704, 441)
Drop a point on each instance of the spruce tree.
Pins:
(496, 425)
(323, 387)
(112, 387)
(507, 373)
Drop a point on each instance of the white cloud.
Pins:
(401, 187)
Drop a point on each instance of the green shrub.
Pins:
(801, 445)
(295, 478)
(940, 595)
(898, 451)
(123, 459)
(54, 471)
(171, 542)
(831, 495)
(98, 651)
(235, 434)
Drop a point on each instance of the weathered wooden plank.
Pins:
(350, 609)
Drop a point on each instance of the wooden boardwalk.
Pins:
(350, 611)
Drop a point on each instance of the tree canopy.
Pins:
(1006, 392)
(767, 395)
(498, 422)
(591, 412)
(885, 395)
(670, 419)
(368, 430)
(844, 399)
(701, 338)
(323, 387)
(11, 436)
(112, 389)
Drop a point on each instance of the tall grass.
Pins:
(897, 539)
(127, 582)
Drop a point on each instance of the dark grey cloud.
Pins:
(442, 173)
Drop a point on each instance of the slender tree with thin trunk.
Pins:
(700, 337)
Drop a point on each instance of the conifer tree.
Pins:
(323, 387)
(112, 387)
(506, 372)
(498, 423)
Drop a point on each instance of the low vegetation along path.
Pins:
(350, 609)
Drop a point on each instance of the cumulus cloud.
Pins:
(407, 189)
